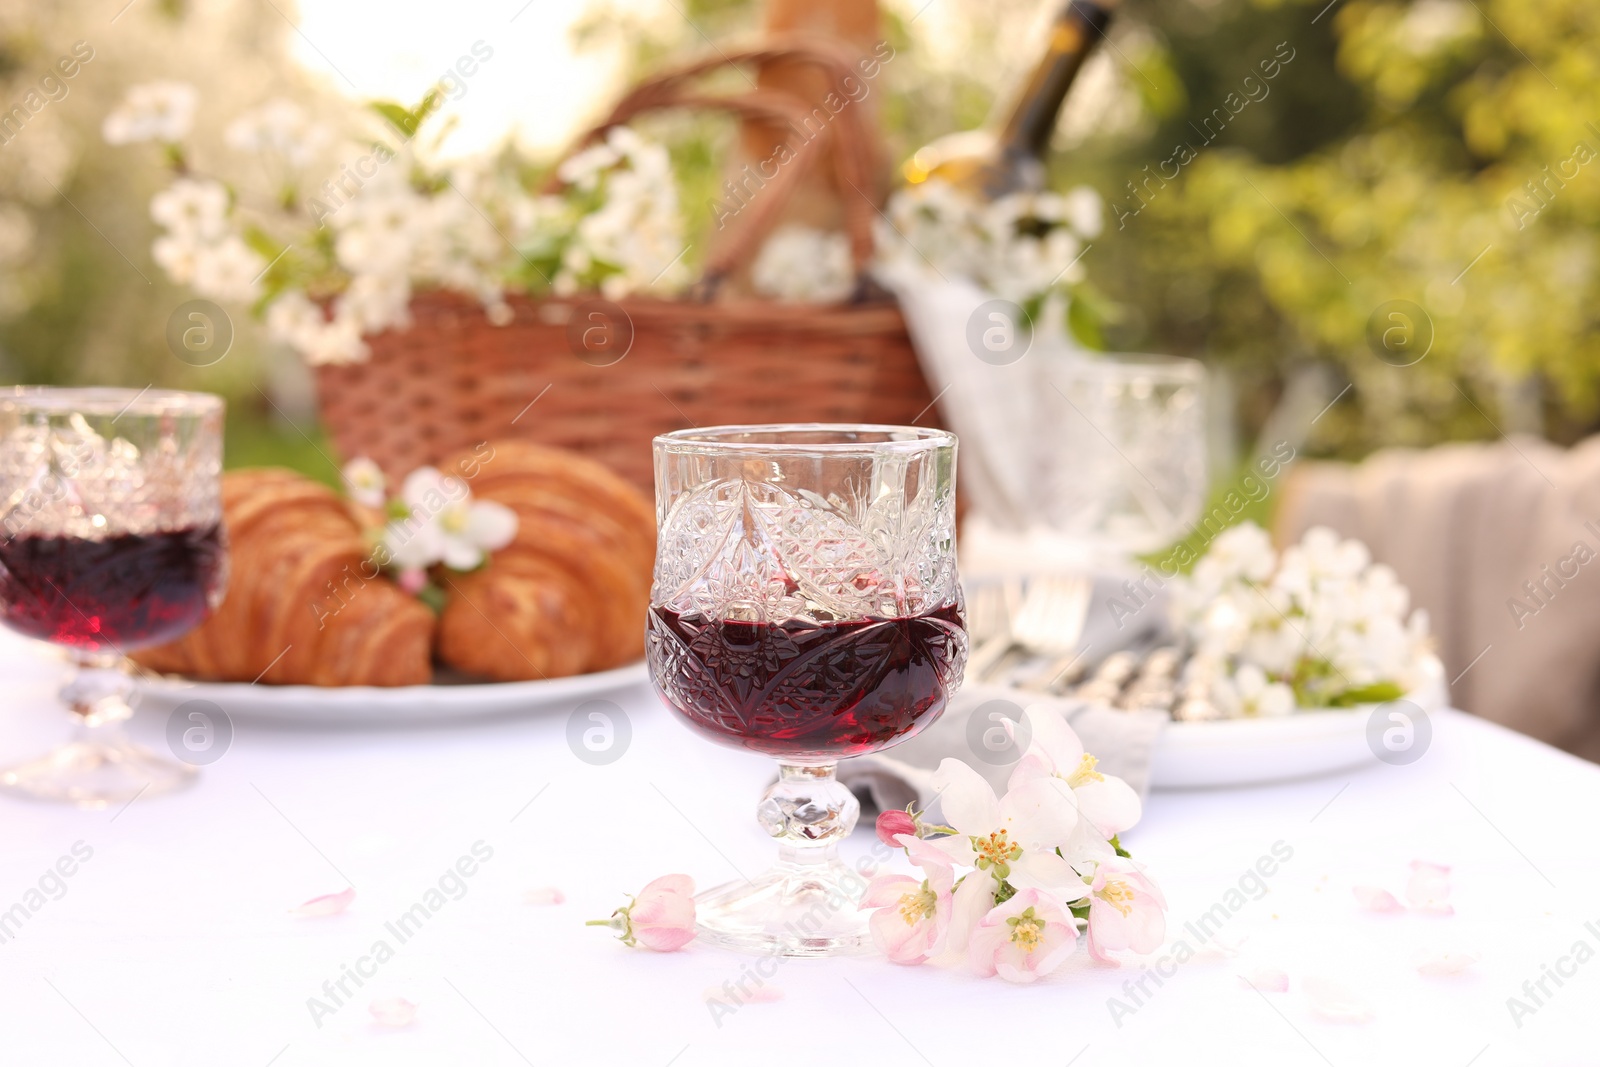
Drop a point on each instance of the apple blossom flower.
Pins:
(804, 265)
(1428, 888)
(334, 343)
(661, 917)
(582, 168)
(292, 318)
(1443, 963)
(1335, 1001)
(323, 906)
(177, 256)
(393, 1012)
(1240, 554)
(278, 127)
(1372, 898)
(1106, 804)
(229, 270)
(1249, 694)
(445, 525)
(893, 823)
(192, 208)
(376, 302)
(1022, 246)
(913, 916)
(364, 482)
(1026, 937)
(297, 322)
(1083, 209)
(1011, 839)
(1126, 910)
(412, 580)
(154, 111)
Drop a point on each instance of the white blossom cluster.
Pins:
(1021, 247)
(621, 231)
(353, 224)
(1323, 626)
(804, 265)
(154, 111)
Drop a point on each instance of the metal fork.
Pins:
(989, 624)
(1045, 619)
(1050, 623)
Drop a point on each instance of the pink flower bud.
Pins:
(661, 917)
(895, 822)
(412, 579)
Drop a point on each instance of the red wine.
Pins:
(807, 691)
(113, 594)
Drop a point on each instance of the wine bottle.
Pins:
(993, 162)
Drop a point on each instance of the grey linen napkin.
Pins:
(1121, 740)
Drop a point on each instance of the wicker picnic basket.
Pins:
(602, 379)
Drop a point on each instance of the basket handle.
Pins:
(844, 129)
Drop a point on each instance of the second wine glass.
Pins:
(111, 540)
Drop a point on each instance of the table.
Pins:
(172, 943)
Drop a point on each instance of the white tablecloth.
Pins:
(172, 943)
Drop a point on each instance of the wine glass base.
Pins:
(96, 774)
(794, 909)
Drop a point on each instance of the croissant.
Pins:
(304, 604)
(569, 594)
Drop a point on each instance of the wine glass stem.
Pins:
(808, 811)
(99, 693)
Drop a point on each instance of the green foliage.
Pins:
(1390, 161)
(408, 120)
(1377, 693)
(1317, 684)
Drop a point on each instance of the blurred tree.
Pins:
(81, 301)
(1392, 161)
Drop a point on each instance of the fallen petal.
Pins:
(1373, 899)
(1428, 889)
(1219, 949)
(1442, 963)
(332, 904)
(1336, 1002)
(1266, 980)
(544, 896)
(395, 1012)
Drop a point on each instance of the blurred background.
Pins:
(1429, 151)
(1377, 167)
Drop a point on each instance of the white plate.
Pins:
(365, 705)
(1194, 755)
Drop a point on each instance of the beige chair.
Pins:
(1501, 544)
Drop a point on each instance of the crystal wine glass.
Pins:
(1122, 468)
(805, 606)
(110, 540)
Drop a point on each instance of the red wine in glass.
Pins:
(807, 691)
(111, 594)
